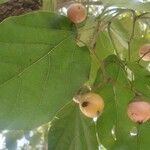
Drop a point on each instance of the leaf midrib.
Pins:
(28, 67)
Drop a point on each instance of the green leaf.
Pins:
(41, 68)
(141, 37)
(122, 25)
(104, 46)
(124, 34)
(121, 31)
(72, 131)
(141, 78)
(86, 31)
(94, 68)
(116, 130)
(143, 136)
(114, 126)
(132, 4)
(102, 49)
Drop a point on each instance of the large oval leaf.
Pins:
(41, 68)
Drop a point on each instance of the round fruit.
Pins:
(139, 111)
(77, 12)
(91, 105)
(144, 52)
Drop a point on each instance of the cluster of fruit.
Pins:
(77, 13)
(92, 104)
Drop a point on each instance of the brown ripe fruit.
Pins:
(139, 111)
(91, 105)
(77, 13)
(144, 52)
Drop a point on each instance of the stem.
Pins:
(131, 37)
(99, 63)
(138, 136)
(88, 5)
(114, 10)
(143, 56)
(84, 3)
(96, 132)
(92, 52)
(86, 29)
(142, 15)
(49, 5)
(97, 29)
(101, 84)
(132, 33)
(93, 3)
(129, 51)
(111, 38)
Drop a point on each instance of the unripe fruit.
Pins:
(144, 52)
(91, 105)
(77, 12)
(139, 111)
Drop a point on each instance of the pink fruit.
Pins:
(139, 111)
(77, 13)
(144, 52)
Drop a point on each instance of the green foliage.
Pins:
(114, 127)
(70, 130)
(41, 68)
(103, 50)
(141, 79)
(131, 4)
(117, 95)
